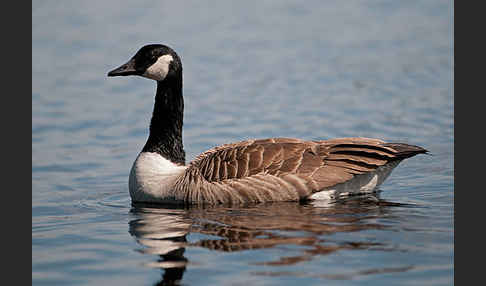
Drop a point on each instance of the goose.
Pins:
(256, 170)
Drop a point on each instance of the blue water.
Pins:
(252, 69)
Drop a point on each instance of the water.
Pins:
(252, 69)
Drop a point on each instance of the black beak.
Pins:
(124, 70)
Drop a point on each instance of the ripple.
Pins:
(336, 276)
(69, 168)
(107, 202)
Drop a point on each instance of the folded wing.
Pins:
(287, 168)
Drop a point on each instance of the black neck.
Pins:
(165, 135)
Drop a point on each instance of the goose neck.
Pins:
(165, 135)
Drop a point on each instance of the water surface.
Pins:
(252, 69)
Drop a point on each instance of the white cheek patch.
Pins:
(159, 70)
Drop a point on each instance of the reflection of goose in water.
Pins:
(163, 231)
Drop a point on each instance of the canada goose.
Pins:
(274, 169)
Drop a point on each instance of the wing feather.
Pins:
(256, 170)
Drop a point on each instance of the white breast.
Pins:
(152, 177)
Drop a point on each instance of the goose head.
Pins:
(155, 61)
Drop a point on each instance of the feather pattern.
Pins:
(282, 169)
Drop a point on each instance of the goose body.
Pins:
(259, 170)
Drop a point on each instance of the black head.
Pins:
(157, 62)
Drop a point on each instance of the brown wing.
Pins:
(308, 166)
(345, 157)
(270, 156)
